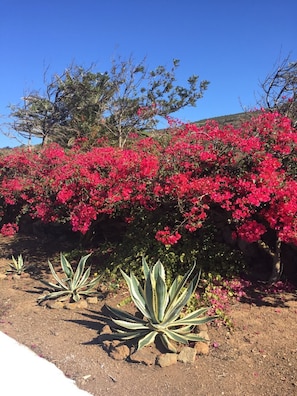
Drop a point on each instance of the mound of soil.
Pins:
(258, 357)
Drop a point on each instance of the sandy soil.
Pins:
(259, 357)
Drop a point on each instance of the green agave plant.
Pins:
(161, 309)
(75, 284)
(17, 266)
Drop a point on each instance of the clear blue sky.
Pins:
(233, 44)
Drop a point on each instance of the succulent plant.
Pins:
(75, 283)
(162, 309)
(17, 266)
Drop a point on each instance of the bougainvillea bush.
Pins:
(244, 175)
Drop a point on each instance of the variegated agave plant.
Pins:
(161, 309)
(17, 266)
(75, 284)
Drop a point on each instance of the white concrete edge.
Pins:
(23, 372)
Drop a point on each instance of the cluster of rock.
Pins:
(152, 355)
(60, 304)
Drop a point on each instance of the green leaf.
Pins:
(161, 292)
(147, 339)
(137, 293)
(57, 278)
(66, 267)
(167, 344)
(123, 314)
(130, 325)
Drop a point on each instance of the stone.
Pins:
(187, 355)
(92, 300)
(144, 356)
(201, 348)
(166, 359)
(120, 352)
(106, 345)
(82, 304)
(54, 304)
(204, 334)
(25, 275)
(106, 330)
(202, 327)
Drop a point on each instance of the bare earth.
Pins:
(259, 357)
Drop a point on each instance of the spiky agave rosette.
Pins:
(161, 309)
(75, 284)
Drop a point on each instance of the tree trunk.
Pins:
(277, 267)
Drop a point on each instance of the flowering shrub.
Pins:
(220, 294)
(9, 229)
(247, 173)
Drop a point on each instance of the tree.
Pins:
(280, 89)
(82, 103)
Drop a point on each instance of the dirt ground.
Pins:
(259, 357)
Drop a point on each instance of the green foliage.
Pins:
(75, 284)
(17, 266)
(162, 309)
(82, 103)
(203, 245)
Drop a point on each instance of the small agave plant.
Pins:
(75, 284)
(161, 309)
(17, 266)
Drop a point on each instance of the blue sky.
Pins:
(233, 44)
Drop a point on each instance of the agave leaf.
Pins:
(161, 292)
(147, 339)
(78, 275)
(174, 310)
(191, 319)
(94, 282)
(82, 280)
(53, 285)
(184, 329)
(177, 286)
(66, 267)
(177, 337)
(151, 296)
(130, 325)
(124, 315)
(195, 337)
(129, 335)
(167, 344)
(145, 268)
(57, 278)
(137, 293)
(75, 280)
(53, 295)
(75, 296)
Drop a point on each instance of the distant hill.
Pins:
(233, 119)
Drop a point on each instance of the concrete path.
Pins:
(22, 372)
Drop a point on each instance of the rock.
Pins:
(54, 304)
(144, 356)
(187, 355)
(25, 275)
(202, 327)
(81, 304)
(201, 348)
(92, 300)
(120, 352)
(166, 359)
(204, 334)
(106, 330)
(106, 345)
